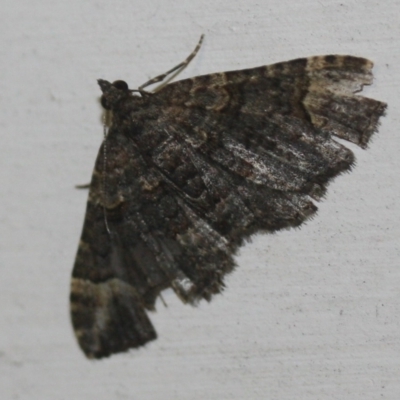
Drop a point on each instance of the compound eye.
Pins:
(121, 85)
(104, 103)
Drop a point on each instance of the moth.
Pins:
(187, 172)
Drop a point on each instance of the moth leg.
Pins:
(85, 186)
(177, 68)
(163, 301)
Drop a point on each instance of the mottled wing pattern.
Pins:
(152, 240)
(319, 90)
(260, 141)
(197, 167)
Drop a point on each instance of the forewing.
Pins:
(138, 239)
(319, 90)
(274, 125)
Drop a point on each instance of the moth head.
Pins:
(113, 93)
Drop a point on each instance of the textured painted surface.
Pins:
(309, 314)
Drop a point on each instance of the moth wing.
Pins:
(138, 239)
(319, 90)
(255, 146)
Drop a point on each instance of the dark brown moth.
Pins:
(187, 172)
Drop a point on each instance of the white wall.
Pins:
(308, 314)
